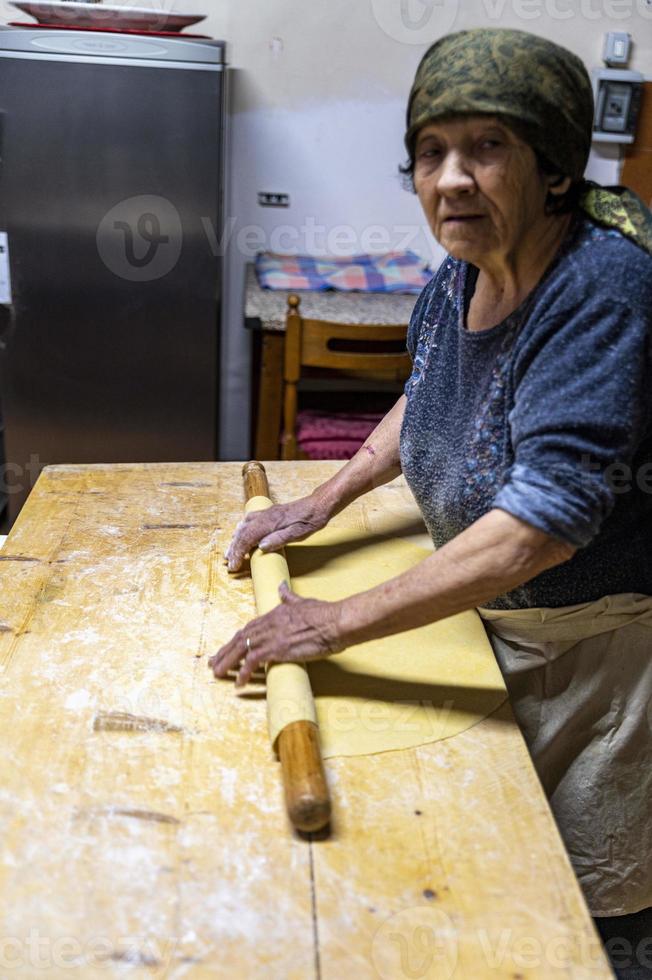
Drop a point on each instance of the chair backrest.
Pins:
(372, 351)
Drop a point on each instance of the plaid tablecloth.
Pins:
(393, 272)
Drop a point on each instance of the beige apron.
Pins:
(580, 683)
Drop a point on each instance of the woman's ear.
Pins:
(558, 184)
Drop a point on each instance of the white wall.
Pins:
(319, 92)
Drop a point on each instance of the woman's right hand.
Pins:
(275, 527)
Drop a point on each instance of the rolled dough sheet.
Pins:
(420, 686)
(389, 694)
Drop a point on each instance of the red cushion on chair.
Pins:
(335, 435)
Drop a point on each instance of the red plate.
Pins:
(71, 14)
(108, 30)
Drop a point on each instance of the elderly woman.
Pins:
(525, 435)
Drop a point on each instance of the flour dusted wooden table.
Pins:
(142, 826)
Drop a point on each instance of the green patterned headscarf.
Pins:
(543, 89)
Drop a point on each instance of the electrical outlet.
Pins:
(268, 200)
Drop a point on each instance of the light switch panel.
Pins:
(5, 277)
(616, 48)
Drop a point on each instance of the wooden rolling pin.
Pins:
(304, 781)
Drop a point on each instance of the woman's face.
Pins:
(479, 186)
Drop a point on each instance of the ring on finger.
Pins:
(248, 645)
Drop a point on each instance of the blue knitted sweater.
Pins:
(547, 415)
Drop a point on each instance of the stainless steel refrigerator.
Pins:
(111, 191)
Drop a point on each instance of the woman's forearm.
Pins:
(376, 462)
(496, 554)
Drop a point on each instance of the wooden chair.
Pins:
(370, 352)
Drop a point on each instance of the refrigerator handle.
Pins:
(7, 320)
(7, 325)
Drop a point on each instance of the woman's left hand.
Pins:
(295, 631)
